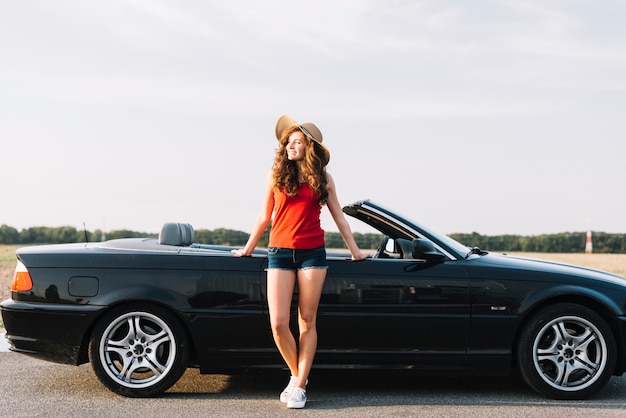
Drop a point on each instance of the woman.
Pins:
(296, 189)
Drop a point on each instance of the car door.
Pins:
(391, 310)
(227, 307)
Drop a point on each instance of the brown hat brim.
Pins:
(284, 122)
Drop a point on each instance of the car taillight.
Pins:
(21, 281)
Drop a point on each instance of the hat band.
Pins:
(307, 133)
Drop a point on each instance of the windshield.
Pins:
(443, 240)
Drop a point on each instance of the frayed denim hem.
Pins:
(294, 270)
(314, 267)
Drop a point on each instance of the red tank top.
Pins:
(296, 221)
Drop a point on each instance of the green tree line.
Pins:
(568, 242)
(220, 236)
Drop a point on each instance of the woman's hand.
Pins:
(360, 255)
(239, 252)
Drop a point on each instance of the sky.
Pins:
(495, 117)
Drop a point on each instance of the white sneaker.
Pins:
(297, 399)
(286, 393)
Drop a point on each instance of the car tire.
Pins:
(139, 351)
(566, 351)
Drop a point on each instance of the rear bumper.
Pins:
(52, 332)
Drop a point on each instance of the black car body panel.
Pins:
(462, 314)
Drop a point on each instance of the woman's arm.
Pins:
(344, 228)
(264, 218)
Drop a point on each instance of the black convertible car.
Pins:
(143, 310)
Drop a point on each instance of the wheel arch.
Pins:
(131, 298)
(595, 301)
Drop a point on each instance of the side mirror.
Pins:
(425, 250)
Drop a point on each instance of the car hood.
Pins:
(549, 268)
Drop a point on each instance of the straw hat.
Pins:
(310, 130)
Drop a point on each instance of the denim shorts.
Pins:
(295, 259)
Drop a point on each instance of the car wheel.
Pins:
(567, 351)
(139, 350)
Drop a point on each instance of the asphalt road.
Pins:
(32, 388)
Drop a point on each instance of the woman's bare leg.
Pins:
(280, 286)
(310, 284)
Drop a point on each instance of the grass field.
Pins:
(7, 268)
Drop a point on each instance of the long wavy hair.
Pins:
(313, 168)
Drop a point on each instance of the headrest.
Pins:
(179, 234)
